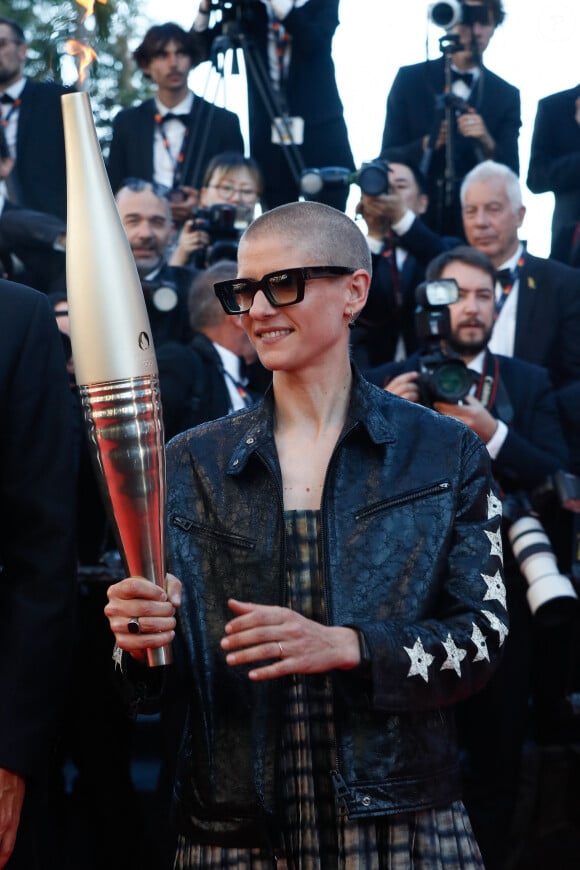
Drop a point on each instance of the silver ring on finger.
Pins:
(281, 648)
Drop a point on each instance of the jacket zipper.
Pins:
(399, 500)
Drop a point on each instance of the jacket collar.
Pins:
(368, 411)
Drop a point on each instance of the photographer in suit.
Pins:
(296, 116)
(511, 405)
(231, 189)
(484, 108)
(401, 246)
(146, 217)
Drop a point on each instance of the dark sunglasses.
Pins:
(281, 288)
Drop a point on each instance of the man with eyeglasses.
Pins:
(32, 129)
(171, 137)
(335, 588)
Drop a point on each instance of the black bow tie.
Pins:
(6, 98)
(505, 277)
(466, 77)
(173, 116)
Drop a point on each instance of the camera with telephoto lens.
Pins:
(372, 178)
(443, 376)
(551, 595)
(451, 12)
(224, 223)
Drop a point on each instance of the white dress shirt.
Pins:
(504, 329)
(165, 160)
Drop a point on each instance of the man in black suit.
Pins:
(401, 246)
(538, 305)
(37, 559)
(555, 165)
(483, 108)
(170, 138)
(32, 248)
(33, 129)
(290, 77)
(146, 217)
(513, 408)
(207, 378)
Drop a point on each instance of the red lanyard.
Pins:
(178, 161)
(15, 105)
(486, 390)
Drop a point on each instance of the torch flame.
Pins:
(89, 5)
(85, 53)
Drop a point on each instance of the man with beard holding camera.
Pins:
(484, 109)
(512, 407)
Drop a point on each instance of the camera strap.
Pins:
(491, 391)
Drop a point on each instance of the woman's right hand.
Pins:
(148, 608)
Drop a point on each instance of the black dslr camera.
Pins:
(448, 13)
(372, 178)
(443, 377)
(224, 223)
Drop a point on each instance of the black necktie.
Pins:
(172, 116)
(466, 77)
(505, 277)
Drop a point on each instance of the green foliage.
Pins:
(113, 32)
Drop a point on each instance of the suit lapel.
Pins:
(527, 303)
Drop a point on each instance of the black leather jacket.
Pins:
(411, 557)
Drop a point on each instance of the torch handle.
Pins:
(125, 430)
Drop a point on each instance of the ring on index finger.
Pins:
(134, 626)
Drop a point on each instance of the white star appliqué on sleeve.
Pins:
(497, 625)
(496, 545)
(420, 660)
(479, 641)
(495, 588)
(494, 506)
(455, 656)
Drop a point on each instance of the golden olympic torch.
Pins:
(114, 358)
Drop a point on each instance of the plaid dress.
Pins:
(316, 835)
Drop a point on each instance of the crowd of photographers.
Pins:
(460, 316)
